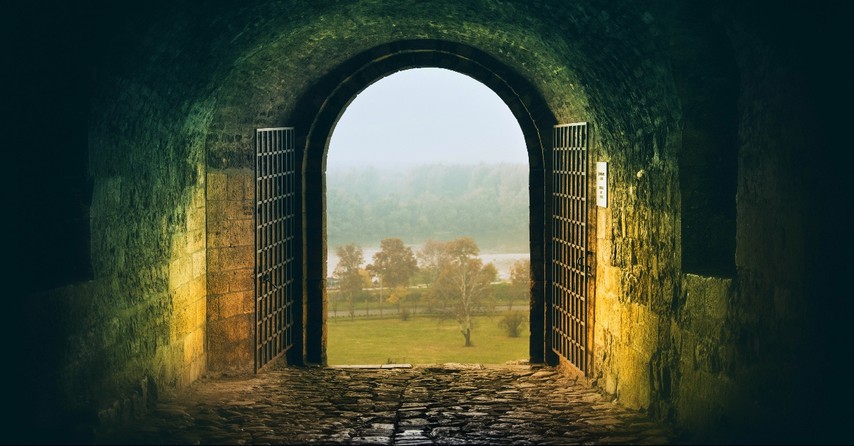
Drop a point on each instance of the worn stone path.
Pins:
(442, 404)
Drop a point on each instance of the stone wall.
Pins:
(103, 347)
(231, 263)
(144, 313)
(706, 285)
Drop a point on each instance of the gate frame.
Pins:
(321, 106)
(590, 209)
(285, 309)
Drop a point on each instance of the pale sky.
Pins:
(426, 116)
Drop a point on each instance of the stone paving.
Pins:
(438, 404)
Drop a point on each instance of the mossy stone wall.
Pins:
(175, 90)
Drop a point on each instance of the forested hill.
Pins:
(488, 202)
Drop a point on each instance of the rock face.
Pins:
(718, 303)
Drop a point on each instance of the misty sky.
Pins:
(426, 116)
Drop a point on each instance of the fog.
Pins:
(425, 116)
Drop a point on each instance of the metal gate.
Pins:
(569, 281)
(275, 228)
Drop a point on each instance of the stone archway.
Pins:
(303, 77)
(324, 103)
(162, 170)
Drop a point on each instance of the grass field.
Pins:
(421, 340)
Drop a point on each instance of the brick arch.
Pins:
(324, 103)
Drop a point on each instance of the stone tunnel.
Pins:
(716, 297)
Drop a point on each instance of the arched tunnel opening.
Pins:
(340, 86)
(418, 162)
(709, 262)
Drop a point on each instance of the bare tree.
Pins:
(463, 287)
(430, 257)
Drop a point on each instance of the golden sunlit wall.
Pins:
(148, 223)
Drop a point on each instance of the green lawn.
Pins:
(421, 340)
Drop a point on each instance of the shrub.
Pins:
(512, 323)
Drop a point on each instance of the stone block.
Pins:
(610, 385)
(182, 296)
(180, 271)
(705, 305)
(186, 319)
(241, 280)
(216, 233)
(197, 201)
(214, 265)
(179, 243)
(196, 240)
(236, 356)
(200, 287)
(193, 346)
(608, 315)
(216, 334)
(603, 228)
(231, 233)
(217, 186)
(235, 187)
(180, 325)
(216, 211)
(200, 266)
(609, 282)
(229, 305)
(217, 282)
(706, 297)
(633, 377)
(249, 187)
(231, 281)
(233, 257)
(213, 308)
(195, 218)
(641, 325)
(238, 328)
(200, 312)
(247, 209)
(195, 369)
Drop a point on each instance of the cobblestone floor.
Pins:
(442, 404)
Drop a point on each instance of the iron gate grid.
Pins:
(275, 226)
(569, 284)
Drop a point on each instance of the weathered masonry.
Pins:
(166, 196)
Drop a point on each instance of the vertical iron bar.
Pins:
(274, 250)
(569, 244)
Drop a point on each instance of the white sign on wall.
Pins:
(602, 184)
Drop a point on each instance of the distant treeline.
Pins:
(488, 202)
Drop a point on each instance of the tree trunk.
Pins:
(467, 334)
